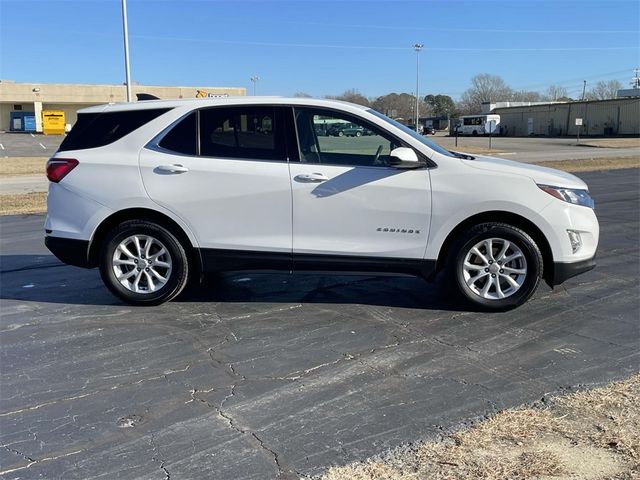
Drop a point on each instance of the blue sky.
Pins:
(322, 47)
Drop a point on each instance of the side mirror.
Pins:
(403, 157)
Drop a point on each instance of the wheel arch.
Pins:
(502, 217)
(141, 214)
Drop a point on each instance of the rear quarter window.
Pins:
(182, 138)
(93, 130)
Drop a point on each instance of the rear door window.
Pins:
(247, 132)
(93, 130)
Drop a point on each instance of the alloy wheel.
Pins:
(142, 264)
(494, 268)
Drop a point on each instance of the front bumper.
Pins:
(563, 271)
(69, 250)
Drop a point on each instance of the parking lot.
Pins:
(540, 149)
(259, 376)
(28, 144)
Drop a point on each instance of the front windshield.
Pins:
(414, 134)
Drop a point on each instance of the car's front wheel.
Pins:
(496, 266)
(143, 263)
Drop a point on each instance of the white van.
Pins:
(479, 124)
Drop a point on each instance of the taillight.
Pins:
(58, 168)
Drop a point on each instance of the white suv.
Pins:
(158, 192)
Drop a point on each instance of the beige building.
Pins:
(620, 116)
(34, 98)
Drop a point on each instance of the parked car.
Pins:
(428, 131)
(347, 130)
(155, 193)
(322, 130)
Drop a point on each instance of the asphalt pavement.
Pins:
(28, 144)
(259, 376)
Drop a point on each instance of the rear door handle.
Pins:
(311, 178)
(175, 168)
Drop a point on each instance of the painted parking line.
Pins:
(507, 153)
(1, 146)
(32, 135)
(42, 146)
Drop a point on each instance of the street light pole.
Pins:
(417, 47)
(125, 32)
(254, 79)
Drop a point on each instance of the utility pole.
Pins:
(254, 79)
(125, 32)
(584, 87)
(417, 47)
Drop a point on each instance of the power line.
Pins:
(577, 79)
(372, 47)
(355, 46)
(432, 29)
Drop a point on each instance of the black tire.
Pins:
(341, 134)
(514, 235)
(178, 275)
(358, 134)
(474, 133)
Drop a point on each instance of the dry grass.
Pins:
(611, 142)
(15, 204)
(593, 164)
(590, 435)
(17, 166)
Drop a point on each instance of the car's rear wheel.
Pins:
(143, 263)
(496, 266)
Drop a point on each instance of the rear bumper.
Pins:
(69, 250)
(563, 271)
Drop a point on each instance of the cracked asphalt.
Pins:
(260, 376)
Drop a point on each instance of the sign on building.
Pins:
(204, 94)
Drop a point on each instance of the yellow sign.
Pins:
(204, 94)
(53, 122)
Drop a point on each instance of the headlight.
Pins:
(570, 195)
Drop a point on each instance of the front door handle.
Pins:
(311, 178)
(175, 168)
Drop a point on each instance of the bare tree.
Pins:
(555, 93)
(526, 96)
(302, 95)
(604, 90)
(484, 88)
(400, 106)
(354, 96)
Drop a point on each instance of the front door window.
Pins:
(334, 138)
